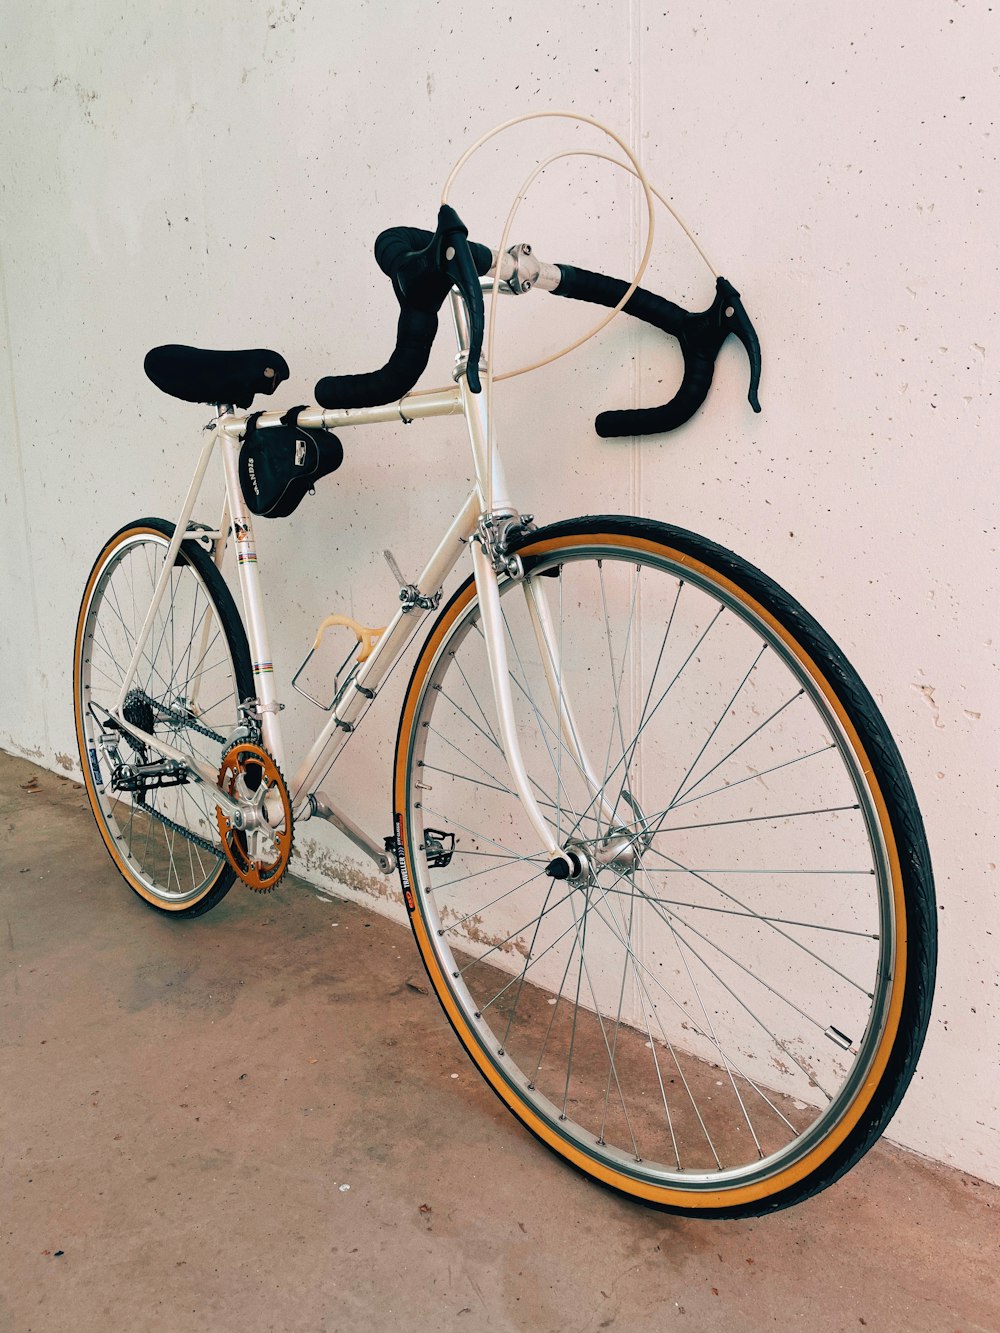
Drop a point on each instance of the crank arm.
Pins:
(320, 807)
(198, 769)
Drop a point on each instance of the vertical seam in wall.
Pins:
(637, 221)
(19, 468)
(638, 215)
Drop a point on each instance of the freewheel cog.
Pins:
(261, 850)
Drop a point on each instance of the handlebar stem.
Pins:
(522, 270)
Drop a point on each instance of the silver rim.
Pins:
(700, 1007)
(186, 686)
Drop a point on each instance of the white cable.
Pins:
(554, 356)
(651, 223)
(635, 169)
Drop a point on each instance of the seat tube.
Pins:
(253, 603)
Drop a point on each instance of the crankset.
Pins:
(257, 842)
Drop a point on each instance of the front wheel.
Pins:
(719, 1013)
(193, 674)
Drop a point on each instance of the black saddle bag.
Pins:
(279, 464)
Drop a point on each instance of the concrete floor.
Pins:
(261, 1121)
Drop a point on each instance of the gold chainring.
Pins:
(260, 853)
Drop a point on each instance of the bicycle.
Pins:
(659, 852)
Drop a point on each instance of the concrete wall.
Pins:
(216, 174)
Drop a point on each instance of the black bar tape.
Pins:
(414, 339)
(582, 285)
(394, 246)
(415, 331)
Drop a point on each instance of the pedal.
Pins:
(439, 847)
(140, 778)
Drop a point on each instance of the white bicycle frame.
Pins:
(470, 527)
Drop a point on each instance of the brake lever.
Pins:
(422, 278)
(708, 330)
(459, 267)
(701, 335)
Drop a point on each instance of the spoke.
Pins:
(475, 699)
(682, 797)
(647, 1007)
(612, 1071)
(465, 777)
(630, 750)
(714, 1037)
(471, 720)
(677, 869)
(670, 918)
(496, 856)
(637, 964)
(556, 766)
(555, 1009)
(477, 911)
(751, 777)
(486, 870)
(618, 1017)
(496, 782)
(542, 721)
(168, 838)
(581, 938)
(130, 633)
(754, 916)
(759, 1021)
(778, 931)
(748, 819)
(524, 971)
(201, 666)
(531, 962)
(110, 679)
(167, 623)
(640, 967)
(718, 723)
(652, 684)
(561, 722)
(616, 685)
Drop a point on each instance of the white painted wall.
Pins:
(216, 174)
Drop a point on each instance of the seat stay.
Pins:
(163, 580)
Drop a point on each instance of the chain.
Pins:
(196, 838)
(187, 721)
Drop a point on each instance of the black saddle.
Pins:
(215, 377)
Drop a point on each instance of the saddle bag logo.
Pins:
(279, 464)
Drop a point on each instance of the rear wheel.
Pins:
(720, 1012)
(160, 828)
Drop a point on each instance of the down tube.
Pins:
(387, 652)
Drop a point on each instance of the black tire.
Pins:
(852, 954)
(198, 648)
